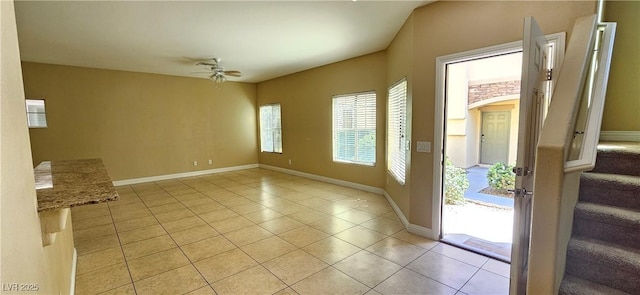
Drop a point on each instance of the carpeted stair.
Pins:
(603, 256)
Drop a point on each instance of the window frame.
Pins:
(34, 124)
(397, 163)
(275, 130)
(358, 117)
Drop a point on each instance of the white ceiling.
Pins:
(263, 39)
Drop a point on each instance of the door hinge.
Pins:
(520, 192)
(549, 75)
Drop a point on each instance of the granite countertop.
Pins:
(64, 184)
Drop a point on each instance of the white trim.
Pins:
(620, 136)
(396, 209)
(74, 265)
(439, 126)
(368, 188)
(182, 175)
(422, 231)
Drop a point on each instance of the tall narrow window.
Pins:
(270, 128)
(354, 128)
(36, 115)
(397, 130)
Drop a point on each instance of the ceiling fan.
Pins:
(218, 73)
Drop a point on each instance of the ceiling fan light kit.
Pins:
(219, 75)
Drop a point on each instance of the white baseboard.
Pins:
(396, 209)
(620, 136)
(354, 185)
(410, 227)
(182, 175)
(74, 265)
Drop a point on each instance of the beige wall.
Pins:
(24, 260)
(306, 107)
(623, 92)
(447, 27)
(141, 125)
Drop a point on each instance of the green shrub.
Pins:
(501, 177)
(455, 184)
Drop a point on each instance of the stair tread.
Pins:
(604, 253)
(608, 214)
(573, 285)
(625, 180)
(629, 148)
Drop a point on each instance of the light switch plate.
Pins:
(423, 147)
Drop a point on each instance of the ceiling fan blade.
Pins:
(233, 73)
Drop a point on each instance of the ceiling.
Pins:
(262, 39)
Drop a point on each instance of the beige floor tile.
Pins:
(443, 269)
(367, 268)
(333, 208)
(89, 211)
(206, 208)
(159, 201)
(203, 200)
(373, 292)
(174, 215)
(234, 201)
(294, 266)
(207, 290)
(309, 216)
(262, 215)
(154, 264)
(103, 279)
(360, 236)
(140, 234)
(289, 208)
(416, 239)
(485, 282)
(356, 216)
(256, 280)
(93, 245)
(132, 224)
(397, 251)
(231, 224)
(332, 225)
(182, 224)
(269, 248)
(194, 234)
(166, 208)
(409, 282)
(96, 260)
(133, 214)
(148, 247)
(281, 225)
(207, 248)
(124, 290)
(276, 202)
(124, 210)
(391, 215)
(248, 208)
(91, 222)
(178, 281)
(460, 255)
(224, 265)
(384, 225)
(329, 281)
(94, 232)
(373, 207)
(218, 215)
(286, 291)
(247, 235)
(303, 236)
(498, 267)
(331, 250)
(314, 202)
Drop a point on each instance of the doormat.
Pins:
(500, 249)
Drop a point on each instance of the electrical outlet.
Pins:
(210, 162)
(195, 163)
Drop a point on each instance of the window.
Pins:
(270, 128)
(354, 128)
(36, 115)
(397, 130)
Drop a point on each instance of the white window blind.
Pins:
(36, 114)
(270, 128)
(354, 128)
(396, 130)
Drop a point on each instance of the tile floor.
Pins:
(258, 231)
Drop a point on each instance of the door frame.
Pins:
(439, 148)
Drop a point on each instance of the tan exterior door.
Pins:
(494, 139)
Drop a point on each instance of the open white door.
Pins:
(532, 110)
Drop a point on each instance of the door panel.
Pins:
(531, 114)
(494, 140)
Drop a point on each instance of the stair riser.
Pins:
(610, 194)
(624, 164)
(612, 277)
(622, 235)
